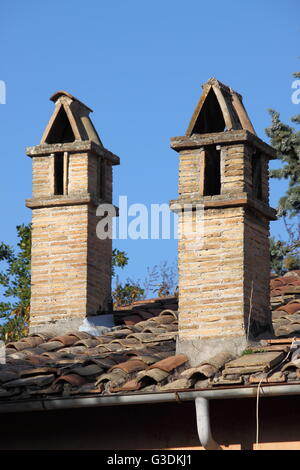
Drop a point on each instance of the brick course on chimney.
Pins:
(224, 270)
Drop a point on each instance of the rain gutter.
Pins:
(201, 398)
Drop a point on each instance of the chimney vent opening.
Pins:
(59, 174)
(211, 117)
(212, 172)
(61, 131)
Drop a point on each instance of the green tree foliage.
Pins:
(286, 141)
(15, 279)
(126, 293)
(119, 259)
(160, 281)
(281, 258)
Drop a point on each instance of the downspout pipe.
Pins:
(203, 424)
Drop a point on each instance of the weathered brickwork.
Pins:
(41, 177)
(236, 169)
(220, 280)
(78, 173)
(257, 269)
(99, 257)
(190, 172)
(223, 262)
(94, 177)
(211, 275)
(71, 266)
(59, 259)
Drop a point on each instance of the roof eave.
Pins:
(148, 398)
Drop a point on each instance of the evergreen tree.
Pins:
(286, 140)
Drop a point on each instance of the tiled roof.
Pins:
(139, 355)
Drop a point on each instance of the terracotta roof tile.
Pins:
(79, 334)
(132, 319)
(179, 384)
(73, 379)
(294, 273)
(146, 359)
(51, 345)
(133, 365)
(86, 389)
(89, 370)
(264, 360)
(37, 380)
(15, 355)
(170, 362)
(199, 373)
(18, 345)
(140, 356)
(49, 355)
(36, 360)
(130, 386)
(218, 361)
(32, 341)
(38, 371)
(122, 333)
(157, 375)
(88, 343)
(44, 335)
(115, 378)
(66, 340)
(164, 320)
(104, 363)
(277, 377)
(291, 307)
(277, 291)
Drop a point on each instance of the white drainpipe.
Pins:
(203, 424)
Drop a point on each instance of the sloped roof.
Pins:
(219, 108)
(139, 355)
(69, 122)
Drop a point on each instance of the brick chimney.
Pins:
(224, 269)
(71, 175)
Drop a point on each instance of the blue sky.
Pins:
(139, 65)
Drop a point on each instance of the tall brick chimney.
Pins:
(224, 271)
(72, 174)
